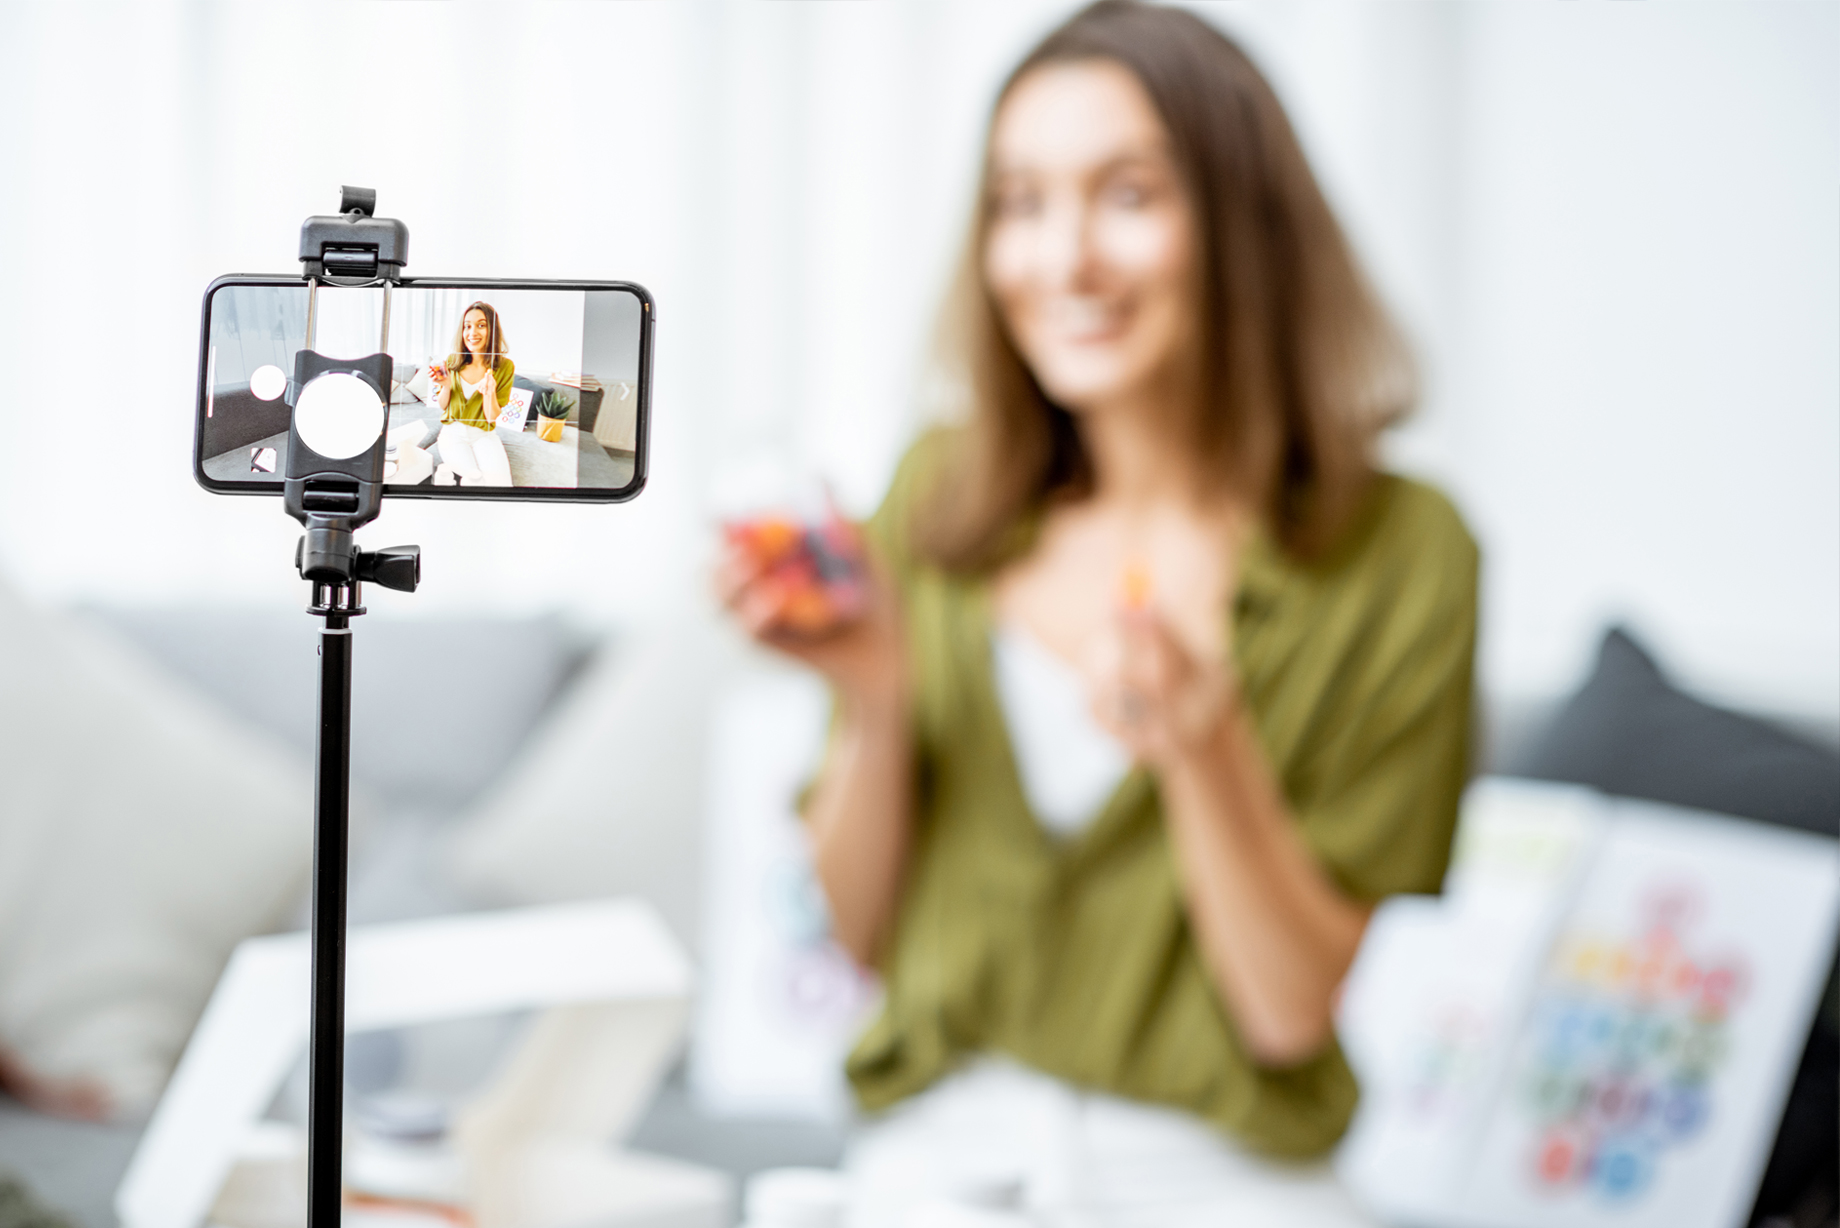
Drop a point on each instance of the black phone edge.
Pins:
(498, 494)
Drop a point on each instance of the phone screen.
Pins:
(519, 390)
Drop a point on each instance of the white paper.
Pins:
(780, 1002)
(255, 1025)
(1438, 990)
(516, 410)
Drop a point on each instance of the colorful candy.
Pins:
(818, 567)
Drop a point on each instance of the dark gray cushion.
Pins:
(1628, 731)
(239, 418)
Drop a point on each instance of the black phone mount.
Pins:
(354, 244)
(333, 497)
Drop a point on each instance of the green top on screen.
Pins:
(471, 410)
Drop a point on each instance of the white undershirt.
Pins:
(1068, 764)
(472, 389)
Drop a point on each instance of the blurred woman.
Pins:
(1163, 685)
(471, 388)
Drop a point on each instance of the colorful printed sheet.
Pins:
(1599, 1022)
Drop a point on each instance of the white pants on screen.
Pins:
(1073, 1159)
(476, 457)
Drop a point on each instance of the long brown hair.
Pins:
(497, 348)
(1301, 365)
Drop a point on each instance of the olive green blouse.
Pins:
(1075, 955)
(472, 410)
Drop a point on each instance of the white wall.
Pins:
(1610, 226)
(1649, 362)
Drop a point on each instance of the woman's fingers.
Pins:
(1141, 675)
(1186, 696)
(761, 601)
(855, 642)
(1113, 670)
(1151, 663)
(762, 605)
(751, 596)
(734, 571)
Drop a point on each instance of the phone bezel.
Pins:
(514, 494)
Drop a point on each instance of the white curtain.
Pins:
(423, 322)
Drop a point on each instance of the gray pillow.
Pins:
(144, 832)
(439, 706)
(1628, 731)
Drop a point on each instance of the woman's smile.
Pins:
(1085, 319)
(476, 334)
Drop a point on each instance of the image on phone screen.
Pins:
(498, 387)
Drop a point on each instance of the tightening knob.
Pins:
(397, 567)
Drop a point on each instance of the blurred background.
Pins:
(1609, 228)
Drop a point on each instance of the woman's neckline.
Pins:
(1069, 848)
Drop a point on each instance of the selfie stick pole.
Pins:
(332, 497)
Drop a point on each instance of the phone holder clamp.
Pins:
(333, 485)
(354, 245)
(336, 436)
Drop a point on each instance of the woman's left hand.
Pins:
(1154, 694)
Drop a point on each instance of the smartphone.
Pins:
(526, 390)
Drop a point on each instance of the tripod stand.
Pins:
(337, 602)
(332, 496)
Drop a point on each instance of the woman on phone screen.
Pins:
(1162, 685)
(471, 388)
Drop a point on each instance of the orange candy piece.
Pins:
(770, 539)
(1134, 586)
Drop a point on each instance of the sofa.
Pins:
(586, 719)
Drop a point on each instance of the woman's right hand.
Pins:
(862, 655)
(438, 373)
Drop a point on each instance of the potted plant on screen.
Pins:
(553, 409)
